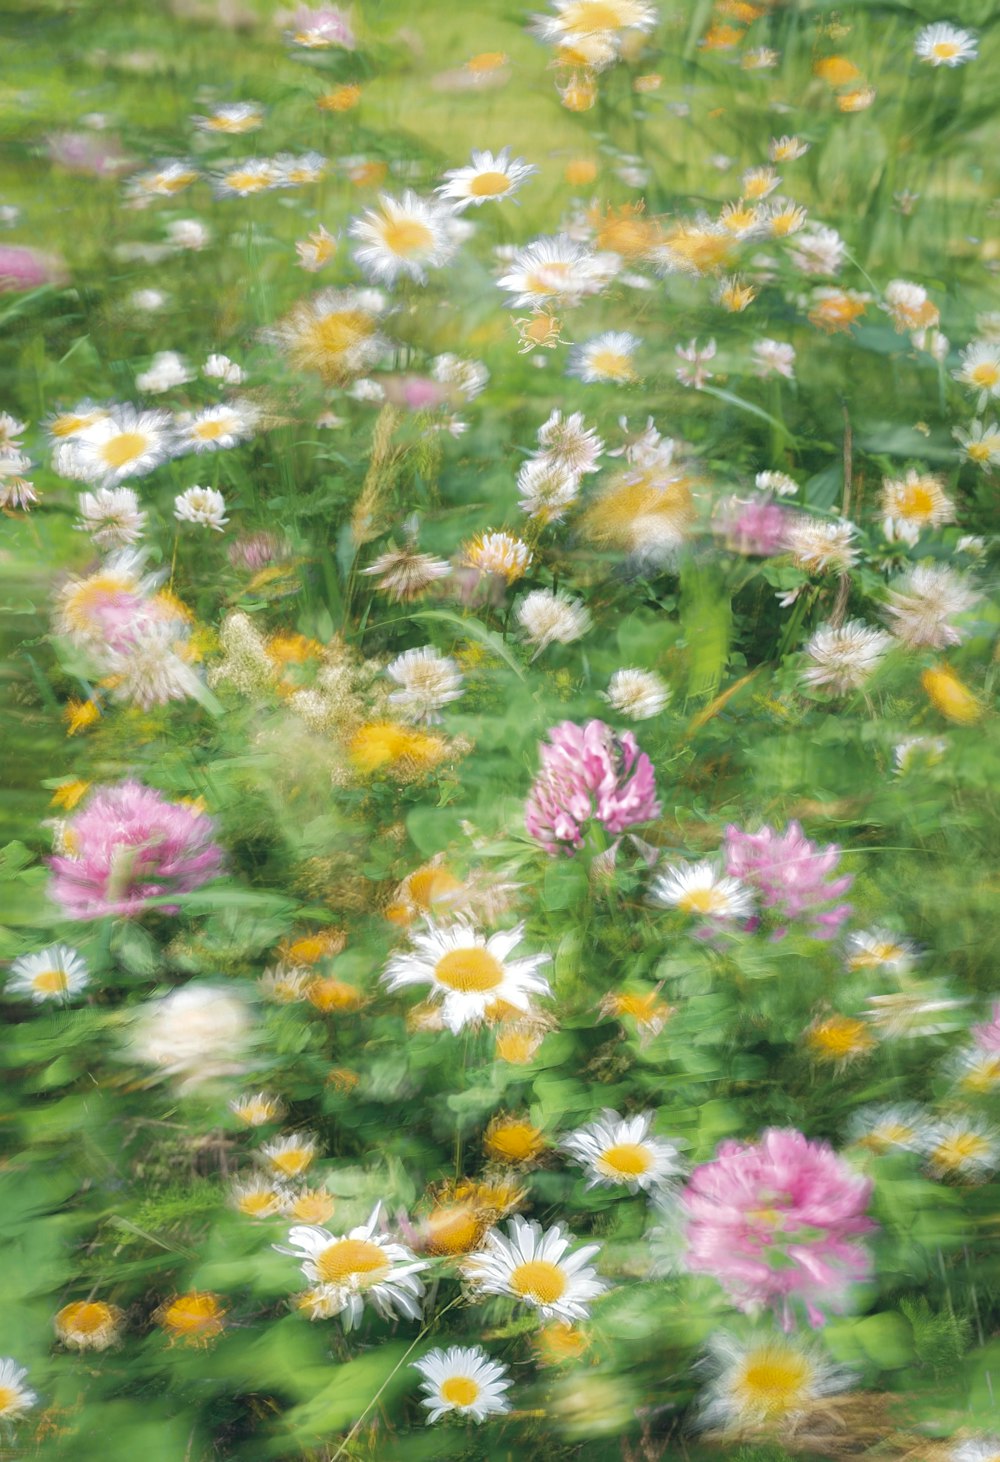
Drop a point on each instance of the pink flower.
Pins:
(753, 526)
(129, 845)
(790, 874)
(589, 772)
(776, 1221)
(87, 152)
(256, 551)
(986, 1037)
(325, 26)
(23, 268)
(415, 393)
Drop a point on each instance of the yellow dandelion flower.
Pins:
(839, 1039)
(836, 71)
(327, 994)
(68, 794)
(196, 1318)
(513, 1140)
(78, 715)
(309, 949)
(379, 745)
(340, 99)
(950, 696)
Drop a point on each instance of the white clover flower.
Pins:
(166, 370)
(202, 505)
(571, 442)
(149, 667)
(466, 378)
(777, 482)
(638, 694)
(923, 603)
(189, 233)
(112, 516)
(773, 358)
(844, 657)
(818, 250)
(427, 681)
(195, 1034)
(821, 545)
(548, 618)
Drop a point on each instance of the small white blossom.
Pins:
(203, 505)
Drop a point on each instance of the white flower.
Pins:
(777, 482)
(166, 370)
(195, 1033)
(188, 233)
(694, 375)
(638, 694)
(920, 1009)
(468, 972)
(843, 657)
(765, 1380)
(202, 505)
(427, 679)
(546, 618)
(962, 1146)
(883, 1128)
(404, 237)
(976, 1449)
(786, 149)
(980, 369)
(148, 300)
(909, 305)
(915, 751)
(818, 251)
(488, 179)
(358, 1268)
(10, 430)
(298, 172)
(112, 516)
(216, 428)
(820, 545)
(149, 667)
(221, 368)
(773, 358)
(980, 443)
(880, 949)
(700, 888)
(291, 1156)
(260, 1197)
(913, 503)
(571, 441)
(618, 1151)
(243, 179)
(467, 378)
(15, 1397)
(557, 270)
(123, 443)
(922, 604)
(607, 357)
(463, 1379)
(576, 21)
(945, 45)
(547, 486)
(232, 118)
(534, 1266)
(57, 973)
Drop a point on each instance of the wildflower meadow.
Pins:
(500, 853)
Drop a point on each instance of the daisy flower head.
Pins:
(15, 1397)
(821, 545)
(606, 358)
(637, 694)
(216, 428)
(919, 1009)
(244, 179)
(909, 306)
(843, 658)
(786, 149)
(290, 1156)
(535, 1267)
(15, 489)
(913, 503)
(361, 1267)
(942, 44)
(980, 371)
(619, 1152)
(427, 681)
(976, 1449)
(112, 517)
(880, 949)
(570, 441)
(923, 603)
(10, 431)
(980, 443)
(900, 1127)
(703, 890)
(123, 442)
(500, 554)
(818, 250)
(202, 505)
(488, 178)
(468, 972)
(167, 369)
(557, 271)
(259, 1197)
(405, 574)
(195, 1318)
(321, 28)
(88, 1325)
(257, 1110)
(334, 333)
(164, 180)
(837, 1040)
(962, 1147)
(547, 618)
(766, 1381)
(56, 973)
(404, 237)
(465, 379)
(463, 1380)
(835, 310)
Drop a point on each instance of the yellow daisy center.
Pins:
(194, 1314)
(985, 375)
(126, 447)
(454, 1229)
(944, 50)
(701, 901)
(260, 1204)
(459, 1391)
(406, 236)
(773, 1381)
(84, 1318)
(313, 1207)
(592, 15)
(625, 1160)
(838, 1038)
(212, 429)
(9, 1399)
(956, 1151)
(249, 182)
(357, 1260)
(516, 1141)
(613, 365)
(917, 500)
(470, 971)
(294, 1160)
(487, 61)
(539, 1280)
(489, 185)
(50, 982)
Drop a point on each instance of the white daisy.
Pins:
(216, 428)
(619, 1151)
(980, 443)
(923, 603)
(358, 1268)
(786, 149)
(404, 237)
(818, 250)
(489, 178)
(260, 1197)
(557, 271)
(844, 657)
(165, 180)
(548, 618)
(637, 694)
(112, 516)
(701, 889)
(427, 679)
(918, 751)
(122, 443)
(880, 949)
(962, 1147)
(921, 1009)
(534, 1266)
(571, 441)
(244, 179)
(232, 118)
(464, 1380)
(821, 545)
(10, 431)
(980, 369)
(547, 487)
(203, 505)
(56, 973)
(468, 972)
(913, 503)
(300, 171)
(291, 1156)
(576, 21)
(334, 333)
(766, 1380)
(15, 1397)
(945, 45)
(607, 357)
(882, 1129)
